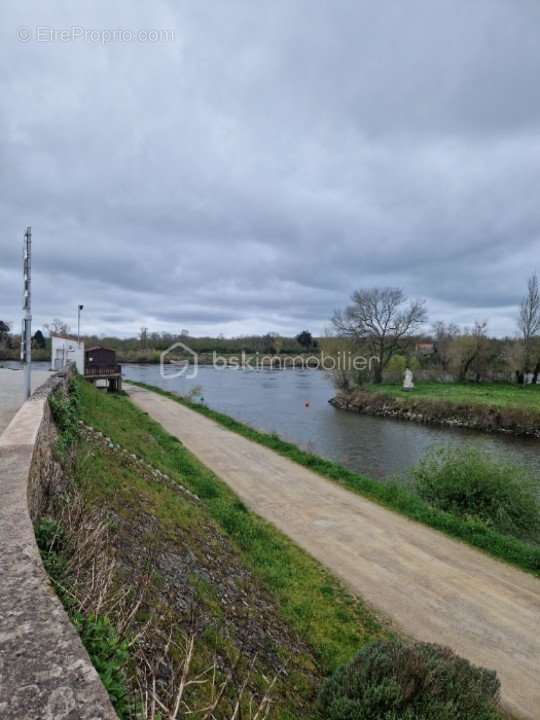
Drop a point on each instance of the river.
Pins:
(294, 404)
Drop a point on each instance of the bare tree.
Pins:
(380, 319)
(444, 335)
(529, 320)
(143, 337)
(57, 327)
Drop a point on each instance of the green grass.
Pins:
(309, 598)
(391, 495)
(500, 395)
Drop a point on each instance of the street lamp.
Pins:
(79, 308)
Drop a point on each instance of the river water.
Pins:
(294, 404)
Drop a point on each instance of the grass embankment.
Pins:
(393, 496)
(311, 604)
(500, 395)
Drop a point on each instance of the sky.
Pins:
(235, 167)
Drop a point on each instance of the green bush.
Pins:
(397, 680)
(468, 483)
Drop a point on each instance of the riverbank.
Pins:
(378, 553)
(390, 495)
(509, 409)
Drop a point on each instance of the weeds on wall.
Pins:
(65, 407)
(145, 662)
(107, 651)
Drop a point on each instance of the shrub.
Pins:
(468, 483)
(397, 680)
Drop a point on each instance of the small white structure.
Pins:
(408, 383)
(66, 349)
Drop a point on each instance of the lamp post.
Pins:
(79, 308)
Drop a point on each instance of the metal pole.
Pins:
(26, 335)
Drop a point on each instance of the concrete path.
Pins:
(11, 392)
(435, 589)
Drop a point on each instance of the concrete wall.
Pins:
(45, 673)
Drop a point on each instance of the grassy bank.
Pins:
(392, 496)
(309, 601)
(500, 395)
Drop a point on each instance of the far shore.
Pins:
(488, 407)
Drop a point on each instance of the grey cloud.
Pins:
(250, 174)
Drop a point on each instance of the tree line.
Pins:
(147, 345)
(384, 324)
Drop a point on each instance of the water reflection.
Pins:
(275, 401)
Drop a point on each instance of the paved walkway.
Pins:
(11, 392)
(435, 588)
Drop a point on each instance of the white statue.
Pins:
(408, 383)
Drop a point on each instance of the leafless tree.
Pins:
(57, 327)
(143, 337)
(529, 320)
(444, 335)
(380, 319)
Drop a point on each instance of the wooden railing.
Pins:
(104, 371)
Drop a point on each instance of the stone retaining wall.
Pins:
(45, 673)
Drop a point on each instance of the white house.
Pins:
(66, 349)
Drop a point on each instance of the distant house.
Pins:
(425, 348)
(64, 349)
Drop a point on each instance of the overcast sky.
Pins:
(263, 159)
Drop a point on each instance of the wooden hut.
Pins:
(100, 364)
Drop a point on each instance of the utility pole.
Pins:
(26, 334)
(79, 308)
